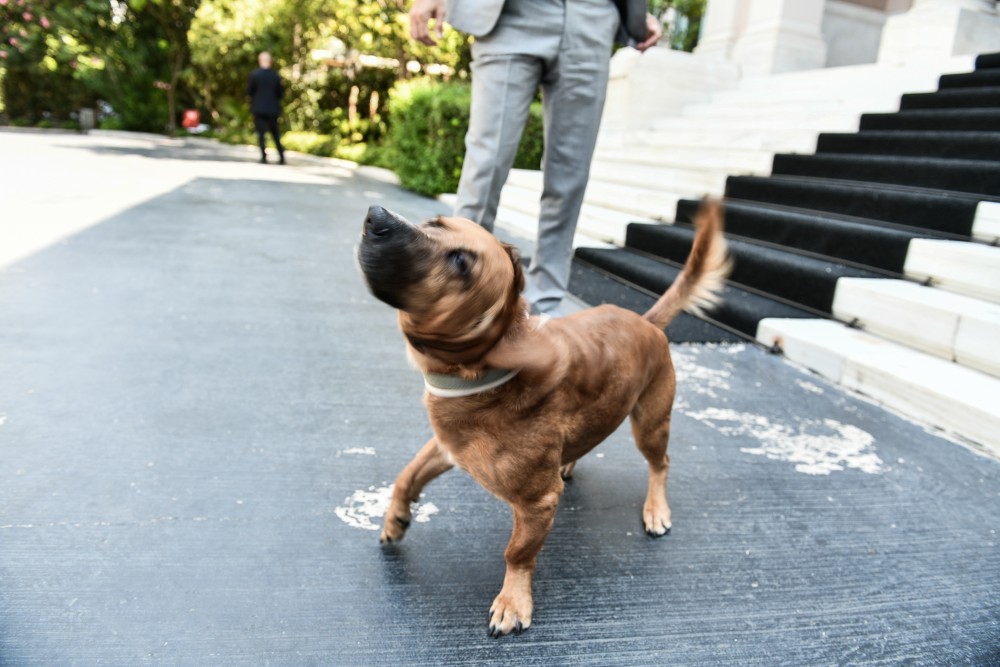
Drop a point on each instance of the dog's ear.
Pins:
(515, 259)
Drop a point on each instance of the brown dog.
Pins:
(515, 400)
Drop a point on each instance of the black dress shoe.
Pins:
(281, 160)
(263, 159)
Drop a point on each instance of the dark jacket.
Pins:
(265, 91)
(633, 26)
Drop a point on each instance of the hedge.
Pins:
(427, 126)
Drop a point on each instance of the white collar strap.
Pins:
(452, 386)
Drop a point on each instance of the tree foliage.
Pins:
(60, 56)
(338, 59)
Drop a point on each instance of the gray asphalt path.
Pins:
(201, 410)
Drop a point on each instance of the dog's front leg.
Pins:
(429, 462)
(511, 610)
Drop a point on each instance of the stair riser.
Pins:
(709, 159)
(739, 309)
(952, 327)
(770, 123)
(931, 390)
(966, 177)
(935, 121)
(788, 141)
(658, 178)
(951, 99)
(797, 279)
(970, 269)
(978, 79)
(953, 215)
(867, 245)
(976, 146)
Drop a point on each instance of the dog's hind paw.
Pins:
(394, 529)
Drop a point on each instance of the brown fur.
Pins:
(579, 377)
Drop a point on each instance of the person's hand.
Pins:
(421, 14)
(654, 30)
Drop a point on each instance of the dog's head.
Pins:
(457, 288)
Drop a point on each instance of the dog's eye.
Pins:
(460, 260)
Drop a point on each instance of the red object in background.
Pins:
(192, 118)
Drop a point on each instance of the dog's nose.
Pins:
(378, 222)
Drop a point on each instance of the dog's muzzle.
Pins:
(390, 255)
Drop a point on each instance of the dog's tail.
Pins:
(697, 287)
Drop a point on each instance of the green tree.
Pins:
(130, 53)
(145, 59)
(339, 60)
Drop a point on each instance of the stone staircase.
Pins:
(863, 210)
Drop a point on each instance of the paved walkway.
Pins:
(201, 409)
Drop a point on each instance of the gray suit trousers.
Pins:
(564, 47)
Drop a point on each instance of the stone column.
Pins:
(721, 27)
(781, 36)
(940, 29)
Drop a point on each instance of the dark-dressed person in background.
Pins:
(265, 91)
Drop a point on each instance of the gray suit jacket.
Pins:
(478, 17)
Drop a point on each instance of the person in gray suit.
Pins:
(564, 46)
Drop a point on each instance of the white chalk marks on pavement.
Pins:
(365, 509)
(815, 446)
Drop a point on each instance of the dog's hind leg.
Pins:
(651, 428)
(429, 462)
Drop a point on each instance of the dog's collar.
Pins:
(452, 386)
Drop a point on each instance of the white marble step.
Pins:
(774, 123)
(947, 325)
(659, 178)
(637, 203)
(956, 399)
(958, 266)
(599, 223)
(987, 224)
(742, 107)
(788, 140)
(843, 82)
(526, 227)
(731, 160)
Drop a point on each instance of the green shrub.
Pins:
(427, 126)
(308, 142)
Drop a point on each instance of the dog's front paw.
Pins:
(510, 613)
(394, 528)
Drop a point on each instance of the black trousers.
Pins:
(267, 123)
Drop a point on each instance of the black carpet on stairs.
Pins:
(959, 145)
(850, 210)
(940, 211)
(635, 281)
(597, 286)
